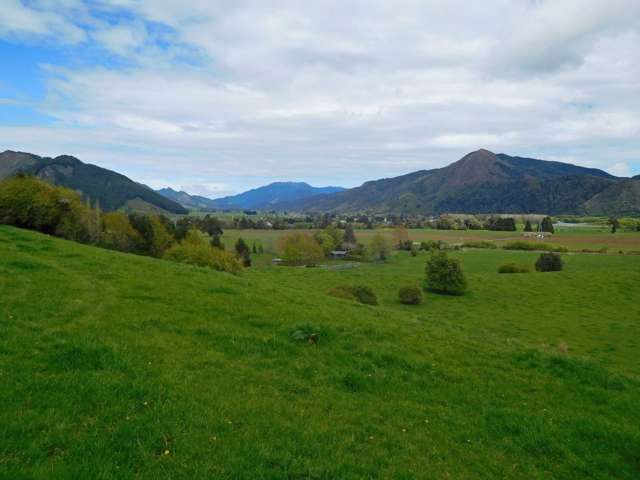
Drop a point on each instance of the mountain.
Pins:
(621, 198)
(272, 197)
(186, 200)
(480, 182)
(112, 190)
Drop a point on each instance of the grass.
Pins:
(118, 366)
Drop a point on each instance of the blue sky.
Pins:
(215, 97)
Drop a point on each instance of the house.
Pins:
(276, 261)
(338, 254)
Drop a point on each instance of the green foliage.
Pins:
(379, 248)
(527, 226)
(358, 293)
(119, 234)
(196, 249)
(445, 275)
(547, 225)
(300, 249)
(243, 253)
(533, 246)
(28, 202)
(506, 224)
(549, 262)
(410, 295)
(512, 268)
(479, 244)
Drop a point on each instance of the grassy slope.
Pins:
(107, 361)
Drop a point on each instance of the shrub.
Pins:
(479, 244)
(445, 275)
(195, 249)
(359, 293)
(549, 262)
(300, 249)
(119, 234)
(28, 202)
(429, 245)
(512, 268)
(532, 246)
(410, 295)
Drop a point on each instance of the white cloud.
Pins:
(256, 89)
(620, 169)
(16, 19)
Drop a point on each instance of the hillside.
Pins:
(188, 373)
(480, 182)
(275, 196)
(622, 198)
(112, 190)
(187, 200)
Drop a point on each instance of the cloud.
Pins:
(16, 19)
(620, 169)
(341, 91)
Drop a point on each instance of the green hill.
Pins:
(110, 189)
(120, 366)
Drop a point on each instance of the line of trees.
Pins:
(28, 202)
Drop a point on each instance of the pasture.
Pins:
(120, 366)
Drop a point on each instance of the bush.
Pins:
(549, 262)
(196, 249)
(532, 246)
(28, 202)
(300, 249)
(479, 244)
(512, 268)
(410, 295)
(359, 293)
(444, 275)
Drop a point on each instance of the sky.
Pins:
(215, 97)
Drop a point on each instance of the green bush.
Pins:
(299, 249)
(410, 295)
(549, 262)
(359, 293)
(445, 275)
(532, 246)
(479, 244)
(512, 268)
(195, 249)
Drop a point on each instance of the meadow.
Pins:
(120, 366)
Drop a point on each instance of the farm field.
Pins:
(121, 366)
(573, 238)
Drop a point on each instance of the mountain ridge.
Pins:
(110, 189)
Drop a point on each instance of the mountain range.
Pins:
(109, 189)
(268, 197)
(480, 182)
(484, 182)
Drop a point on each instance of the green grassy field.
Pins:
(574, 238)
(120, 366)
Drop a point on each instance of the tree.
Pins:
(615, 224)
(547, 225)
(119, 234)
(325, 241)
(379, 248)
(254, 250)
(349, 238)
(195, 249)
(401, 236)
(300, 249)
(527, 226)
(243, 253)
(445, 275)
(216, 242)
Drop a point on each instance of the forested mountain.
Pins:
(272, 195)
(110, 189)
(484, 182)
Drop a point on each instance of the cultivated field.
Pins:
(120, 366)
